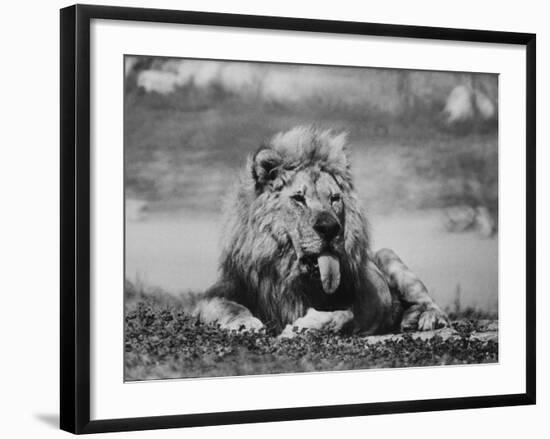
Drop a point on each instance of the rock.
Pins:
(484, 337)
(486, 108)
(459, 106)
(445, 334)
(485, 224)
(373, 339)
(155, 80)
(486, 325)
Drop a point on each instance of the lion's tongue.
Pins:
(329, 267)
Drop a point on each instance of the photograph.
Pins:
(272, 218)
(291, 218)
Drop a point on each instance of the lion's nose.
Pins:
(326, 226)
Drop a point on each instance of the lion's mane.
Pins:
(259, 268)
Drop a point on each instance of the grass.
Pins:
(162, 341)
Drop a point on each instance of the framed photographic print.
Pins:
(268, 218)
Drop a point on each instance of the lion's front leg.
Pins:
(228, 314)
(334, 321)
(421, 311)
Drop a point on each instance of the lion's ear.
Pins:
(265, 166)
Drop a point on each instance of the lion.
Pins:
(296, 249)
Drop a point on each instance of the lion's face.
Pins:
(313, 202)
(306, 208)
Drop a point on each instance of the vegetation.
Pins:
(184, 148)
(162, 341)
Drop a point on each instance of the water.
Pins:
(179, 253)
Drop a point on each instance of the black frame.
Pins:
(75, 217)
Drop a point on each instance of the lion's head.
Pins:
(296, 236)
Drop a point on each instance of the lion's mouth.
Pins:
(326, 267)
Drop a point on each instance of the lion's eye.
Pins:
(299, 198)
(335, 198)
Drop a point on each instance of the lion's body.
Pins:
(296, 239)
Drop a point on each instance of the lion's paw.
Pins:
(244, 323)
(424, 318)
(333, 321)
(431, 319)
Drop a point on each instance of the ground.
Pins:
(162, 341)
